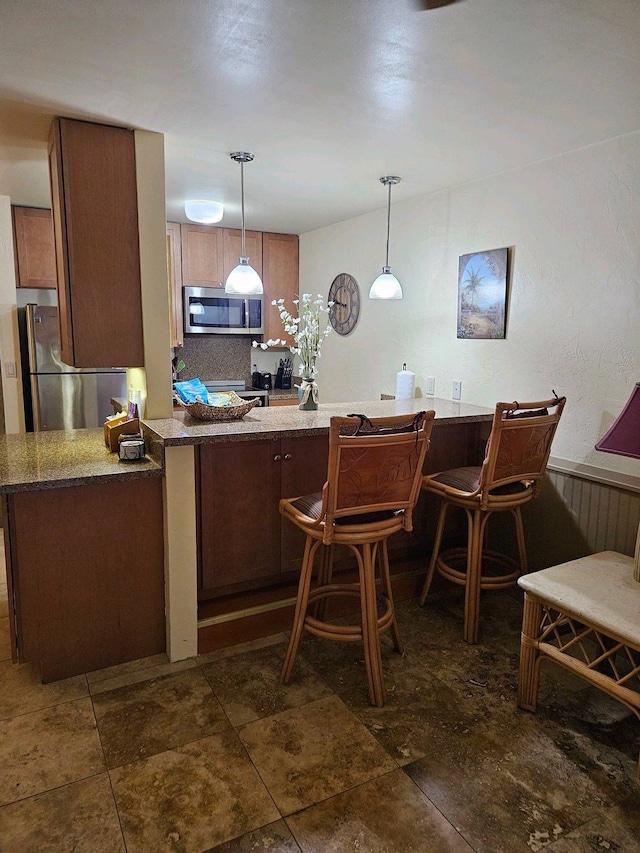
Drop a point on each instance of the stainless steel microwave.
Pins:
(208, 311)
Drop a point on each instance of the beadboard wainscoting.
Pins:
(581, 510)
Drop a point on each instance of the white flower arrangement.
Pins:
(306, 330)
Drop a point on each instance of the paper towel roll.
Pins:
(405, 384)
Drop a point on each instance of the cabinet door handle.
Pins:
(277, 457)
(287, 456)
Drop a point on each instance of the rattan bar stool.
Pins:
(373, 482)
(515, 460)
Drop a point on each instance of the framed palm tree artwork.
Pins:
(482, 294)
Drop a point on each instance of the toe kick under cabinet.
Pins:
(241, 539)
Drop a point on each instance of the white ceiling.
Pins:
(329, 94)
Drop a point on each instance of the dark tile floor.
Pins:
(214, 755)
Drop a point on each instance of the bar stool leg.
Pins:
(522, 551)
(370, 633)
(387, 590)
(325, 572)
(310, 548)
(529, 673)
(476, 524)
(434, 554)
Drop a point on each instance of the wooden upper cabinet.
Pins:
(174, 270)
(202, 256)
(232, 238)
(210, 253)
(280, 260)
(95, 217)
(35, 253)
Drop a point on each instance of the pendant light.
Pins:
(387, 286)
(243, 280)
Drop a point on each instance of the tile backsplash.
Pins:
(211, 357)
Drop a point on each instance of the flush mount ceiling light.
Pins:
(203, 211)
(243, 280)
(387, 286)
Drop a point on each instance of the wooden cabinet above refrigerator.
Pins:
(35, 255)
(95, 217)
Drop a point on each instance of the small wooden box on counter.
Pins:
(117, 427)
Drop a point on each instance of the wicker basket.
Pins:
(238, 409)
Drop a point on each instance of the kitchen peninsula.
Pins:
(99, 555)
(245, 565)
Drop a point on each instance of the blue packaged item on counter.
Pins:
(191, 391)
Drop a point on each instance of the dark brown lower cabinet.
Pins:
(242, 538)
(85, 567)
(243, 541)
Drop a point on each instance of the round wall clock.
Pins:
(345, 311)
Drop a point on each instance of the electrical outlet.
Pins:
(431, 385)
(457, 389)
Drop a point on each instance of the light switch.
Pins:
(457, 389)
(10, 369)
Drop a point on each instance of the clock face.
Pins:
(345, 295)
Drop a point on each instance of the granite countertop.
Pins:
(290, 421)
(48, 460)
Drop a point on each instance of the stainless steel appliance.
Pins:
(239, 387)
(208, 311)
(58, 396)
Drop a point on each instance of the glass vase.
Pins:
(308, 395)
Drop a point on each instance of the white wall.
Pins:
(9, 340)
(573, 320)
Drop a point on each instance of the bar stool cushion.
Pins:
(468, 480)
(311, 506)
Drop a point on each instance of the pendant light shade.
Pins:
(243, 280)
(387, 286)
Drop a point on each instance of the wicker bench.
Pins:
(584, 615)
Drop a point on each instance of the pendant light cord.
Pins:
(244, 253)
(388, 224)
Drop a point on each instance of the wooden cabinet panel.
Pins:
(239, 526)
(232, 238)
(280, 264)
(174, 270)
(242, 537)
(304, 471)
(35, 253)
(87, 575)
(202, 256)
(95, 212)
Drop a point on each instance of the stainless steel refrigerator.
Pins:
(63, 397)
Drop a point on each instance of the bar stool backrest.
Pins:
(520, 443)
(375, 465)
